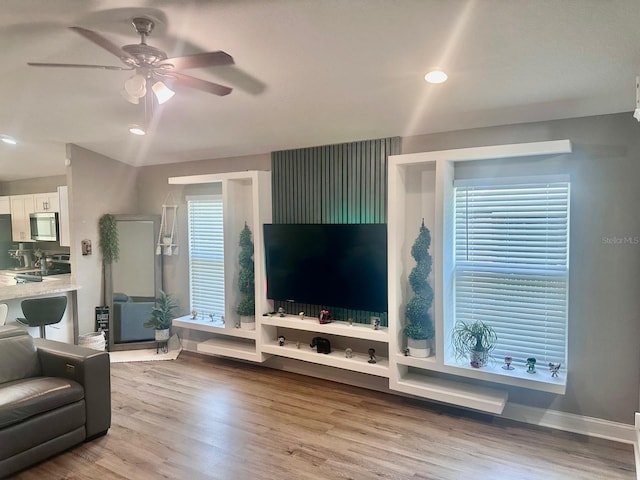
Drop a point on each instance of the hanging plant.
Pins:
(419, 323)
(246, 277)
(109, 238)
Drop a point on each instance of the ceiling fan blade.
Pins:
(103, 42)
(76, 65)
(209, 59)
(205, 86)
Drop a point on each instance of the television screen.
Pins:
(334, 265)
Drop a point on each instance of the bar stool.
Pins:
(40, 312)
(4, 310)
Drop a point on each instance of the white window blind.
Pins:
(512, 265)
(206, 255)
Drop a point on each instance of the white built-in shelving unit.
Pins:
(246, 197)
(419, 187)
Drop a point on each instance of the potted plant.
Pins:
(162, 315)
(475, 340)
(246, 281)
(419, 326)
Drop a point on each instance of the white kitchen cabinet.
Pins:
(21, 207)
(64, 231)
(5, 205)
(46, 202)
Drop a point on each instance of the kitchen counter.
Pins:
(11, 293)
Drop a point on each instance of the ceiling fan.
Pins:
(152, 67)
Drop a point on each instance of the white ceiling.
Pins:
(308, 72)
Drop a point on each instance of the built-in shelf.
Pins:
(448, 391)
(358, 363)
(229, 347)
(217, 327)
(356, 330)
(518, 377)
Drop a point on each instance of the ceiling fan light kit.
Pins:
(152, 67)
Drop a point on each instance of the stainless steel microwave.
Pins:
(44, 226)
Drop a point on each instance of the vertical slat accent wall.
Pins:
(344, 183)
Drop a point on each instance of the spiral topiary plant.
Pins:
(419, 324)
(246, 277)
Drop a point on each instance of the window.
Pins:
(511, 263)
(206, 254)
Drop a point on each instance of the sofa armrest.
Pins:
(88, 367)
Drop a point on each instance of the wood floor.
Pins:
(207, 418)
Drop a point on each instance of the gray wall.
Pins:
(33, 185)
(153, 188)
(97, 185)
(604, 295)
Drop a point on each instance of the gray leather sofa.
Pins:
(52, 396)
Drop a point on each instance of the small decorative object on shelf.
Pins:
(281, 340)
(555, 368)
(372, 355)
(473, 339)
(301, 315)
(211, 315)
(238, 324)
(194, 314)
(280, 311)
(405, 351)
(321, 344)
(375, 321)
(507, 362)
(531, 365)
(325, 317)
(348, 353)
(298, 345)
(350, 321)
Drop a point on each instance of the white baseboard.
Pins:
(570, 422)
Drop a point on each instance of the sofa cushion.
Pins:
(18, 355)
(22, 399)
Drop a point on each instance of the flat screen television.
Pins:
(333, 265)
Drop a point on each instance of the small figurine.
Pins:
(325, 316)
(281, 340)
(405, 351)
(301, 315)
(348, 353)
(531, 365)
(194, 314)
(211, 315)
(372, 355)
(376, 324)
(281, 311)
(554, 367)
(322, 345)
(508, 359)
(222, 319)
(238, 324)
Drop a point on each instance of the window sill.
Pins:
(518, 377)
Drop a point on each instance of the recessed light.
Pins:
(436, 76)
(137, 130)
(8, 140)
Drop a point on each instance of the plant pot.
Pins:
(418, 348)
(162, 335)
(478, 359)
(247, 323)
